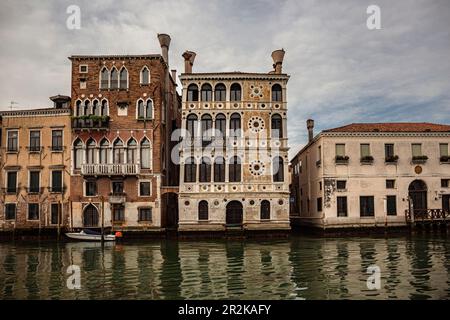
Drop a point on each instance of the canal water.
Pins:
(302, 267)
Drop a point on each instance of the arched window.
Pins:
(234, 171)
(145, 76)
(205, 170)
(206, 92)
(206, 128)
(140, 109)
(145, 154)
(86, 110)
(220, 124)
(79, 109)
(276, 93)
(203, 210)
(192, 94)
(191, 126)
(277, 126)
(104, 111)
(114, 83)
(190, 171)
(219, 170)
(95, 108)
(149, 109)
(90, 151)
(220, 92)
(118, 152)
(131, 151)
(278, 169)
(235, 92)
(104, 81)
(104, 151)
(235, 125)
(123, 79)
(265, 210)
(78, 153)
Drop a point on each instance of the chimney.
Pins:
(164, 41)
(310, 126)
(174, 75)
(189, 58)
(278, 56)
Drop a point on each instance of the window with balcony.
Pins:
(391, 205)
(389, 153)
(205, 170)
(132, 151)
(57, 140)
(235, 125)
(443, 152)
(144, 188)
(12, 144)
(35, 141)
(206, 92)
(220, 92)
(78, 153)
(104, 151)
(118, 152)
(11, 183)
(192, 93)
(203, 210)
(190, 170)
(276, 126)
(34, 181)
(220, 125)
(417, 155)
(265, 210)
(235, 92)
(33, 211)
(90, 188)
(206, 129)
(276, 93)
(341, 206)
(365, 153)
(90, 151)
(366, 206)
(219, 169)
(191, 126)
(10, 211)
(278, 169)
(235, 169)
(57, 181)
(145, 154)
(145, 214)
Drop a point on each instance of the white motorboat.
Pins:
(89, 235)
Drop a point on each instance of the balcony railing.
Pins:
(424, 215)
(419, 159)
(110, 169)
(341, 159)
(90, 122)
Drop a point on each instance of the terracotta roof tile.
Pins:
(392, 127)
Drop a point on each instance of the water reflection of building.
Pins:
(367, 174)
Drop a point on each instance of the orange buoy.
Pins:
(118, 234)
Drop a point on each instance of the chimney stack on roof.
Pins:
(310, 126)
(164, 41)
(278, 56)
(189, 58)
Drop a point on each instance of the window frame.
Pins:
(370, 206)
(38, 211)
(149, 188)
(8, 140)
(140, 209)
(6, 216)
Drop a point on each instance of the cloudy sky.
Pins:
(341, 72)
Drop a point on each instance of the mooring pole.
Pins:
(59, 219)
(103, 218)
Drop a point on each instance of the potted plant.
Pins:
(392, 158)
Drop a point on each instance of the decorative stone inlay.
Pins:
(256, 124)
(257, 168)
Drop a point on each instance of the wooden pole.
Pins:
(59, 219)
(103, 219)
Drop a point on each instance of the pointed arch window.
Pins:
(114, 83)
(190, 170)
(205, 170)
(192, 93)
(104, 108)
(203, 210)
(145, 76)
(104, 79)
(277, 126)
(90, 151)
(104, 151)
(132, 151)
(220, 92)
(145, 154)
(206, 92)
(79, 109)
(149, 109)
(86, 106)
(235, 92)
(265, 210)
(278, 169)
(123, 79)
(78, 153)
(95, 108)
(276, 92)
(140, 108)
(118, 152)
(234, 169)
(219, 169)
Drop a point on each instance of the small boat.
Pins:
(89, 235)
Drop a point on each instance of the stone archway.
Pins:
(418, 196)
(90, 216)
(234, 213)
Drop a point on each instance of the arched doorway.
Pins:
(234, 213)
(90, 216)
(418, 196)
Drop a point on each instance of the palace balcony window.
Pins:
(278, 169)
(277, 126)
(220, 92)
(57, 140)
(366, 158)
(235, 125)
(192, 93)
(443, 153)
(205, 170)
(220, 125)
(33, 211)
(417, 156)
(12, 144)
(206, 92)
(190, 173)
(276, 93)
(389, 153)
(90, 122)
(35, 141)
(10, 211)
(90, 151)
(206, 130)
(219, 169)
(341, 158)
(191, 126)
(234, 169)
(235, 92)
(145, 154)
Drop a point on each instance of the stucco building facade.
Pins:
(370, 174)
(234, 150)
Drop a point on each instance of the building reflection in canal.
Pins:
(299, 268)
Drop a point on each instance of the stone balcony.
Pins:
(126, 169)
